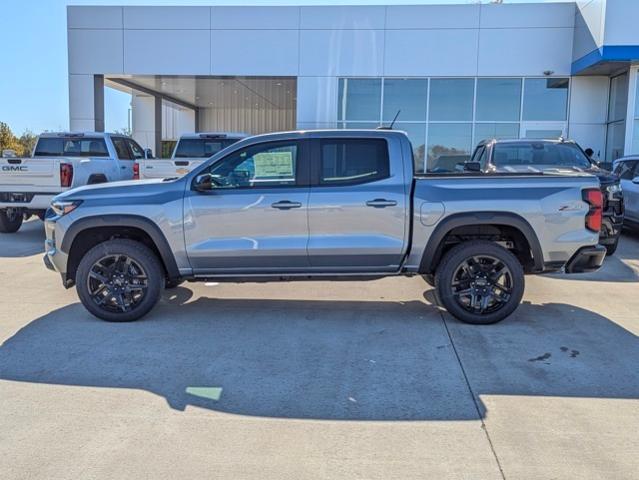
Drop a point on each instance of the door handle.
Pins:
(381, 203)
(122, 167)
(286, 205)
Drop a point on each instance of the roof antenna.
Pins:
(390, 127)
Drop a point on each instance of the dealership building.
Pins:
(456, 74)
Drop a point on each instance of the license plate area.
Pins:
(16, 197)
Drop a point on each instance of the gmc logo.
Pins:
(14, 168)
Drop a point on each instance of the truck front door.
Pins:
(358, 205)
(254, 218)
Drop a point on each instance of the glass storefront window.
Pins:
(449, 144)
(485, 131)
(408, 95)
(618, 98)
(498, 99)
(417, 134)
(359, 99)
(615, 141)
(451, 99)
(359, 125)
(545, 99)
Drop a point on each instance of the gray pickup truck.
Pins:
(344, 205)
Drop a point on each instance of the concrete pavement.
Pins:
(319, 380)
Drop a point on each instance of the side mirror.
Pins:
(203, 182)
(635, 180)
(148, 153)
(472, 167)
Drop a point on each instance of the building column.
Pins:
(86, 102)
(157, 124)
(631, 114)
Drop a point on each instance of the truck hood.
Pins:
(129, 189)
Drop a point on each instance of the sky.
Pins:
(33, 70)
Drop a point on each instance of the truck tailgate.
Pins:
(164, 168)
(17, 173)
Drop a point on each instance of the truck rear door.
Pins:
(358, 205)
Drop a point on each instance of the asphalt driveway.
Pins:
(319, 380)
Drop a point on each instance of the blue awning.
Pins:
(605, 59)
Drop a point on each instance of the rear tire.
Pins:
(611, 249)
(10, 220)
(479, 282)
(119, 280)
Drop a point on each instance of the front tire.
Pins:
(119, 280)
(612, 248)
(479, 282)
(10, 220)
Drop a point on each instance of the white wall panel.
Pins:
(95, 51)
(621, 25)
(589, 99)
(432, 16)
(316, 100)
(169, 52)
(589, 136)
(81, 97)
(589, 27)
(531, 15)
(94, 17)
(341, 52)
(349, 17)
(261, 18)
(254, 52)
(525, 51)
(186, 18)
(431, 52)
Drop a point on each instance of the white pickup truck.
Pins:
(59, 162)
(191, 150)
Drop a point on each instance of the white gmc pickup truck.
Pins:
(191, 150)
(59, 162)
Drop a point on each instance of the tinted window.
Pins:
(266, 165)
(201, 147)
(451, 99)
(498, 99)
(627, 170)
(353, 161)
(121, 148)
(406, 95)
(71, 147)
(545, 99)
(137, 150)
(449, 144)
(359, 99)
(539, 154)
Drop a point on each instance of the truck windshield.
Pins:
(201, 147)
(539, 156)
(71, 147)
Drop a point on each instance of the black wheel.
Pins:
(169, 284)
(479, 282)
(10, 220)
(119, 280)
(611, 249)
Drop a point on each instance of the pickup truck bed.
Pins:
(324, 204)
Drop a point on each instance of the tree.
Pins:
(8, 140)
(27, 142)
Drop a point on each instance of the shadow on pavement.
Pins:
(27, 241)
(343, 360)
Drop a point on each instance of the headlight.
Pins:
(614, 188)
(62, 208)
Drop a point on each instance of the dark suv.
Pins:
(553, 156)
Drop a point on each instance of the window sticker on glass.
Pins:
(273, 165)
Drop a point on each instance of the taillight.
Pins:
(594, 198)
(66, 174)
(136, 171)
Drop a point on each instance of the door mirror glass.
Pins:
(203, 183)
(472, 167)
(148, 153)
